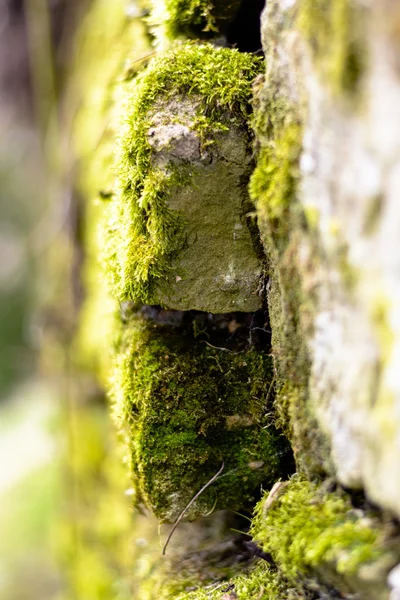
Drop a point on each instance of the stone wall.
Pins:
(268, 188)
(348, 177)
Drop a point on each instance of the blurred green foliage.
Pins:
(97, 526)
(95, 532)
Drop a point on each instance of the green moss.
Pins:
(273, 185)
(143, 233)
(261, 583)
(201, 556)
(95, 535)
(274, 180)
(305, 528)
(273, 188)
(332, 27)
(89, 112)
(172, 19)
(186, 407)
(312, 215)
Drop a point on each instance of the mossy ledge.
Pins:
(317, 543)
(261, 582)
(186, 407)
(144, 233)
(312, 532)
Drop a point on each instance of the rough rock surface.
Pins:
(218, 270)
(349, 182)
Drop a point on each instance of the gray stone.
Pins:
(350, 181)
(218, 270)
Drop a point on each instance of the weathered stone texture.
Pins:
(349, 186)
(218, 269)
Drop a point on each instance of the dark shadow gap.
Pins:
(236, 331)
(244, 33)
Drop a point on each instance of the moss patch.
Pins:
(143, 233)
(261, 583)
(273, 188)
(187, 407)
(275, 177)
(307, 529)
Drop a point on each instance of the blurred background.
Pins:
(66, 525)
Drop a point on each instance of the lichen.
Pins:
(332, 28)
(143, 233)
(305, 528)
(274, 180)
(187, 407)
(174, 19)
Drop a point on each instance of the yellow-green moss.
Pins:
(193, 19)
(305, 528)
(332, 28)
(273, 188)
(261, 583)
(106, 38)
(289, 236)
(186, 407)
(274, 180)
(143, 233)
(95, 534)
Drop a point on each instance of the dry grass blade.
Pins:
(179, 519)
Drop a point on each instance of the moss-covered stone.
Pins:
(274, 189)
(204, 559)
(312, 532)
(187, 407)
(332, 28)
(180, 213)
(261, 583)
(193, 19)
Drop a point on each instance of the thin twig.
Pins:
(218, 363)
(217, 347)
(142, 58)
(179, 519)
(210, 512)
(239, 531)
(260, 329)
(214, 586)
(241, 515)
(269, 390)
